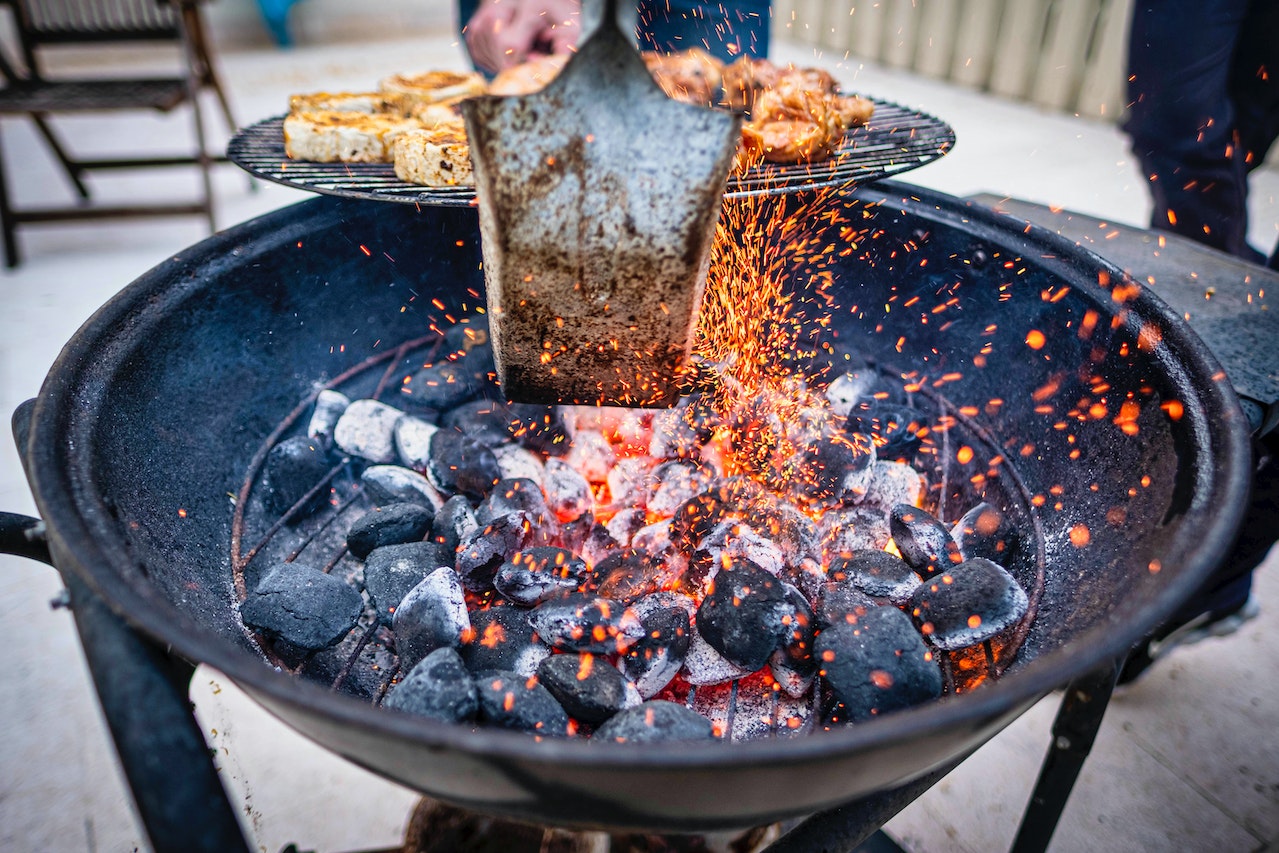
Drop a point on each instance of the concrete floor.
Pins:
(1188, 759)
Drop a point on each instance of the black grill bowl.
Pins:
(160, 401)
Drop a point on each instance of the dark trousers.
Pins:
(1203, 95)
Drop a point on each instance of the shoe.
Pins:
(1212, 623)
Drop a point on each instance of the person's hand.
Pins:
(503, 33)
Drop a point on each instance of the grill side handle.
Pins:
(144, 697)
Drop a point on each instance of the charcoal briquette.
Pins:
(586, 623)
(924, 543)
(454, 521)
(510, 700)
(392, 570)
(967, 604)
(984, 531)
(413, 441)
(515, 462)
(538, 574)
(483, 551)
(745, 615)
(567, 493)
(850, 529)
(658, 656)
(876, 573)
(386, 484)
(839, 602)
(894, 428)
(655, 721)
(292, 469)
(539, 428)
(329, 406)
(430, 616)
(461, 464)
(501, 638)
(367, 430)
(302, 606)
(439, 687)
(486, 421)
(588, 687)
(390, 524)
(518, 495)
(878, 665)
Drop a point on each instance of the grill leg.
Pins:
(1074, 732)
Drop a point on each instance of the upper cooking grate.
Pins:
(896, 140)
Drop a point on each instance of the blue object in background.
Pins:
(275, 14)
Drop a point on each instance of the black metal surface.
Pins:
(896, 140)
(151, 414)
(1227, 301)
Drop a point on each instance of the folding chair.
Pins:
(88, 24)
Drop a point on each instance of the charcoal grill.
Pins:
(233, 333)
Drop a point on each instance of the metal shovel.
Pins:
(598, 198)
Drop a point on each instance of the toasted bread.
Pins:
(349, 102)
(328, 136)
(439, 157)
(433, 86)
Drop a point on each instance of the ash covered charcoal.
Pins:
(329, 406)
(967, 604)
(510, 700)
(386, 484)
(516, 462)
(657, 658)
(732, 542)
(745, 615)
(367, 430)
(893, 483)
(654, 721)
(924, 543)
(439, 687)
(392, 570)
(793, 664)
(704, 665)
(431, 616)
(860, 388)
(302, 606)
(486, 421)
(698, 516)
(588, 687)
(834, 467)
(675, 482)
(390, 524)
(538, 574)
(628, 481)
(586, 623)
(896, 429)
(574, 535)
(843, 531)
(628, 574)
(539, 428)
(292, 469)
(877, 665)
(750, 709)
(461, 464)
(984, 531)
(597, 543)
(412, 436)
(682, 431)
(514, 496)
(453, 522)
(624, 524)
(788, 528)
(591, 455)
(502, 638)
(655, 540)
(567, 493)
(483, 551)
(839, 602)
(876, 573)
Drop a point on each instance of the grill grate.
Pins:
(896, 140)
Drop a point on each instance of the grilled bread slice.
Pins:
(329, 136)
(387, 103)
(433, 86)
(439, 157)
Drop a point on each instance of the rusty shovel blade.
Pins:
(598, 198)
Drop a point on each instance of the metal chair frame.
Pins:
(28, 92)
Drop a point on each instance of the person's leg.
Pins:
(1182, 121)
(726, 29)
(1255, 87)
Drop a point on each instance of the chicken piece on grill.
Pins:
(801, 118)
(744, 79)
(692, 76)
